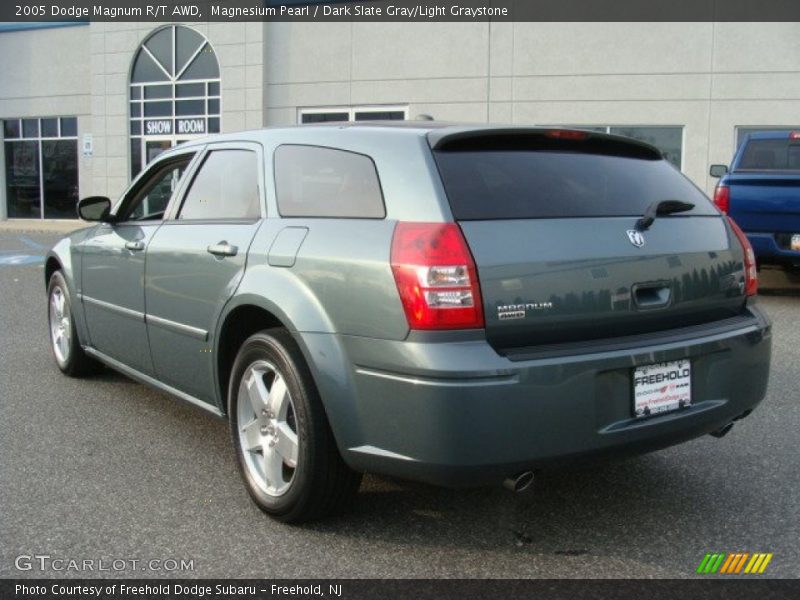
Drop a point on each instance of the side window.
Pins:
(150, 199)
(324, 182)
(226, 187)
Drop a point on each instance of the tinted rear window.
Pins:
(524, 184)
(771, 155)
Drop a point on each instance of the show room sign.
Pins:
(191, 125)
(182, 126)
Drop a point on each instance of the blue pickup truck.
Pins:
(761, 192)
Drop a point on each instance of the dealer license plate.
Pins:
(662, 388)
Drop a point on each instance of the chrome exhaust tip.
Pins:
(519, 482)
(722, 431)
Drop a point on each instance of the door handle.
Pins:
(136, 246)
(223, 249)
(652, 295)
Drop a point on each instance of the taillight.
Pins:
(722, 198)
(436, 276)
(750, 270)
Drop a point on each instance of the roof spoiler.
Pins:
(539, 138)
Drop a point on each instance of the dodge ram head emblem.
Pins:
(636, 238)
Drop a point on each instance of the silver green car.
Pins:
(461, 305)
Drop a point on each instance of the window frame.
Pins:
(172, 214)
(351, 111)
(39, 139)
(323, 147)
(145, 177)
(136, 123)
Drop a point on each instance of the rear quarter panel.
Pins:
(340, 283)
(341, 280)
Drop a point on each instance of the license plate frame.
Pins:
(661, 388)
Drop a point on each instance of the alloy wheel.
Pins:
(60, 325)
(267, 426)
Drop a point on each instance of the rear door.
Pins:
(196, 260)
(551, 222)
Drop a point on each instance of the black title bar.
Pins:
(347, 589)
(32, 11)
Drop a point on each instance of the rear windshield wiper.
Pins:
(661, 207)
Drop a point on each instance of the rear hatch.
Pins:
(765, 185)
(550, 218)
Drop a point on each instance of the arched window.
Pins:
(174, 92)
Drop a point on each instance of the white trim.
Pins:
(44, 139)
(173, 81)
(155, 60)
(190, 61)
(41, 174)
(351, 110)
(177, 98)
(683, 145)
(39, 139)
(367, 108)
(3, 206)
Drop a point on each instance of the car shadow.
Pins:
(561, 515)
(785, 292)
(585, 509)
(774, 281)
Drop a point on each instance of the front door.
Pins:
(112, 286)
(195, 262)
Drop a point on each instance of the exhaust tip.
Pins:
(722, 431)
(519, 482)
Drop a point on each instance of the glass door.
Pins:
(145, 151)
(153, 148)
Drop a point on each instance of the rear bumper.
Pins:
(457, 413)
(767, 249)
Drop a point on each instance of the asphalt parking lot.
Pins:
(108, 469)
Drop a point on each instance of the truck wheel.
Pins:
(284, 445)
(64, 342)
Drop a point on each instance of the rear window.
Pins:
(324, 182)
(771, 155)
(530, 184)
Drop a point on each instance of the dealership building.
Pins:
(85, 107)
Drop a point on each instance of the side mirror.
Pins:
(718, 170)
(94, 208)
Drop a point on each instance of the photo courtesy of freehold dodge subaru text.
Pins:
(392, 299)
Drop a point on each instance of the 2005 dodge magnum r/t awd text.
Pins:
(461, 305)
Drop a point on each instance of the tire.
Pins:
(64, 343)
(284, 445)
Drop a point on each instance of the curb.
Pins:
(42, 226)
